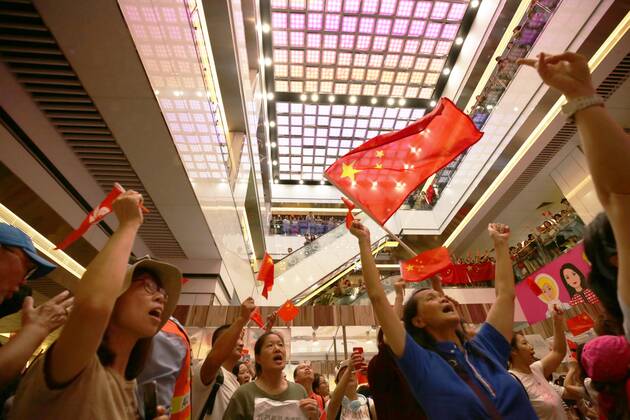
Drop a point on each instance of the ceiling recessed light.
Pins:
(266, 28)
(303, 97)
(314, 97)
(331, 98)
(353, 99)
(373, 101)
(157, 92)
(268, 61)
(301, 181)
(432, 103)
(322, 182)
(515, 109)
(474, 4)
(273, 144)
(274, 163)
(446, 71)
(270, 96)
(275, 181)
(272, 124)
(390, 101)
(459, 40)
(401, 101)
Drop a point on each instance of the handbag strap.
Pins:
(209, 405)
(491, 409)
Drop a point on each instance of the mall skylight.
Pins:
(373, 48)
(344, 71)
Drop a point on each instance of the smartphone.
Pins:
(361, 372)
(150, 400)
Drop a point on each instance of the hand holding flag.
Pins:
(349, 216)
(257, 318)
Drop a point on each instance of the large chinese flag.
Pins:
(380, 174)
(266, 274)
(425, 264)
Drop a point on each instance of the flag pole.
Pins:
(389, 232)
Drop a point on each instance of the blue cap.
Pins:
(12, 236)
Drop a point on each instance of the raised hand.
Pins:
(128, 208)
(359, 230)
(271, 320)
(499, 233)
(399, 287)
(567, 72)
(247, 307)
(49, 316)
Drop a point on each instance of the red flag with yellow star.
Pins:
(266, 274)
(349, 216)
(425, 265)
(379, 175)
(288, 311)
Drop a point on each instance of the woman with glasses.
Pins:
(89, 371)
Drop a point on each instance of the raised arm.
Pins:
(224, 346)
(501, 315)
(607, 150)
(37, 323)
(96, 295)
(385, 314)
(552, 360)
(337, 396)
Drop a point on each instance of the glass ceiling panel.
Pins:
(312, 136)
(373, 47)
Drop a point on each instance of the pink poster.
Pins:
(562, 282)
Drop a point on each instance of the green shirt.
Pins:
(241, 405)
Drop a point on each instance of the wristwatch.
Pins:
(570, 108)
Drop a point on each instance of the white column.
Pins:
(574, 180)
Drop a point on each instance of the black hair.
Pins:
(217, 333)
(570, 288)
(317, 381)
(260, 343)
(600, 246)
(514, 344)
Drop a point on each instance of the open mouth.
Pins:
(448, 309)
(278, 358)
(156, 313)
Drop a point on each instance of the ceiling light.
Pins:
(274, 163)
(199, 94)
(459, 40)
(322, 182)
(314, 97)
(515, 109)
(275, 181)
(432, 103)
(268, 61)
(270, 96)
(266, 28)
(474, 4)
(353, 99)
(331, 98)
(273, 144)
(272, 124)
(446, 71)
(301, 181)
(373, 101)
(303, 97)
(401, 101)
(390, 101)
(157, 92)
(489, 107)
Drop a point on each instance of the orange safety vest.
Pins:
(180, 404)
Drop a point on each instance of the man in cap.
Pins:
(19, 262)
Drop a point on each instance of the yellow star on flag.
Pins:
(410, 267)
(348, 171)
(379, 166)
(380, 154)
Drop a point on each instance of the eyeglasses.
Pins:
(151, 287)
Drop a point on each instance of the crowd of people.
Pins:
(122, 355)
(309, 226)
